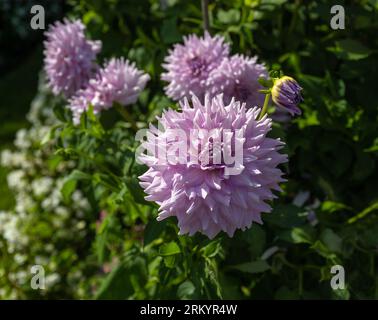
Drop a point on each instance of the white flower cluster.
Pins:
(39, 211)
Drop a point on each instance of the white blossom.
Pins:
(42, 186)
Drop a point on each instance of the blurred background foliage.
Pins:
(327, 214)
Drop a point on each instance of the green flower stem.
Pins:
(126, 115)
(205, 14)
(265, 106)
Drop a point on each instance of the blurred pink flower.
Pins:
(188, 65)
(237, 77)
(69, 57)
(118, 81)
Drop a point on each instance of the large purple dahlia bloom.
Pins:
(200, 191)
(118, 81)
(188, 65)
(238, 77)
(69, 57)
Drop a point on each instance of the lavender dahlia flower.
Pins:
(238, 77)
(69, 57)
(286, 93)
(188, 65)
(201, 194)
(118, 81)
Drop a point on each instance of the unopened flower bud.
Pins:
(286, 93)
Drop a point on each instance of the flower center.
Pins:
(241, 92)
(196, 65)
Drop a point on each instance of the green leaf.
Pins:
(322, 250)
(59, 112)
(252, 267)
(256, 240)
(267, 83)
(50, 134)
(212, 274)
(185, 290)
(169, 261)
(153, 230)
(305, 234)
(70, 183)
(168, 252)
(169, 32)
(127, 278)
(331, 240)
(331, 206)
(352, 50)
(136, 191)
(68, 188)
(212, 249)
(231, 16)
(124, 279)
(373, 147)
(42, 229)
(286, 216)
(100, 245)
(54, 161)
(169, 249)
(79, 175)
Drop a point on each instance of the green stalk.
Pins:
(265, 106)
(205, 14)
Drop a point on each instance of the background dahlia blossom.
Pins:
(201, 195)
(238, 77)
(118, 81)
(69, 57)
(188, 65)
